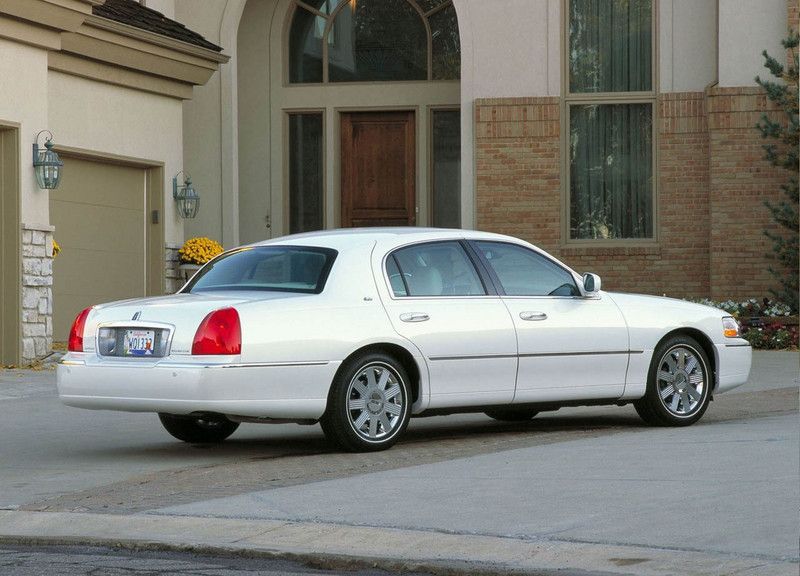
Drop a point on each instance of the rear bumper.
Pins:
(285, 390)
(734, 360)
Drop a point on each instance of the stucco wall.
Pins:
(202, 119)
(24, 101)
(745, 29)
(115, 120)
(687, 44)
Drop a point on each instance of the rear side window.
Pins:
(434, 269)
(523, 272)
(268, 268)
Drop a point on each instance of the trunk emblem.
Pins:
(136, 316)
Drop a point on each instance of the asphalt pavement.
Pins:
(587, 490)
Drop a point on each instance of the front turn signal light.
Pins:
(730, 327)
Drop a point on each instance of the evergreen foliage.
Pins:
(783, 151)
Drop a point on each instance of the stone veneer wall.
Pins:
(173, 279)
(712, 181)
(37, 292)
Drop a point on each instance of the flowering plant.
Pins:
(199, 250)
(56, 249)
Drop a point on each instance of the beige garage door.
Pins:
(99, 216)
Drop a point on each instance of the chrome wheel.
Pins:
(375, 402)
(682, 380)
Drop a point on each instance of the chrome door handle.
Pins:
(533, 316)
(414, 317)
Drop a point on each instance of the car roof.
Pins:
(351, 237)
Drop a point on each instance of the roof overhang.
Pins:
(90, 46)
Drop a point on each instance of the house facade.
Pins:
(618, 135)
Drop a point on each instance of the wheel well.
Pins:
(402, 355)
(705, 343)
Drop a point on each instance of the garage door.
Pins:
(99, 216)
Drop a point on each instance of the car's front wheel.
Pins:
(678, 384)
(369, 404)
(198, 430)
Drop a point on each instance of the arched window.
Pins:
(373, 41)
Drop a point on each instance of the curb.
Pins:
(345, 547)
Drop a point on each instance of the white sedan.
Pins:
(361, 329)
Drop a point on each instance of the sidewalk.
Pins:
(588, 506)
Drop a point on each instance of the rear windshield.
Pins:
(268, 268)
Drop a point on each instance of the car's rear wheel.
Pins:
(511, 414)
(678, 384)
(369, 404)
(198, 430)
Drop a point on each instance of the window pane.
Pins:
(306, 172)
(611, 171)
(447, 168)
(378, 40)
(446, 45)
(610, 45)
(269, 268)
(439, 269)
(395, 278)
(305, 47)
(523, 272)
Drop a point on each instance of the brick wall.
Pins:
(517, 168)
(740, 181)
(792, 10)
(518, 192)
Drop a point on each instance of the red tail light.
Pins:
(219, 333)
(76, 332)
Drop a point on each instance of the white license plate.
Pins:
(139, 342)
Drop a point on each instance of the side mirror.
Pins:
(591, 283)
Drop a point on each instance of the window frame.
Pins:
(473, 258)
(569, 99)
(499, 285)
(287, 189)
(330, 20)
(432, 110)
(325, 273)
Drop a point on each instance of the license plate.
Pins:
(139, 342)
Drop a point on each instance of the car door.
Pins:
(439, 301)
(570, 347)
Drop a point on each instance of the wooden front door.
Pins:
(378, 169)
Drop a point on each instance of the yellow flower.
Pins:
(56, 248)
(199, 250)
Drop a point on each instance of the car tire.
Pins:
(511, 414)
(369, 404)
(198, 430)
(678, 384)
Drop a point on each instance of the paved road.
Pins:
(594, 476)
(80, 561)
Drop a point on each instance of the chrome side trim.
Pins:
(268, 364)
(738, 346)
(500, 356)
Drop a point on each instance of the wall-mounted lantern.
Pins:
(187, 197)
(46, 163)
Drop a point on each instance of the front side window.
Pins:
(435, 269)
(267, 268)
(523, 272)
(373, 41)
(610, 103)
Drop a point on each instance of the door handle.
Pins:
(414, 317)
(533, 316)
